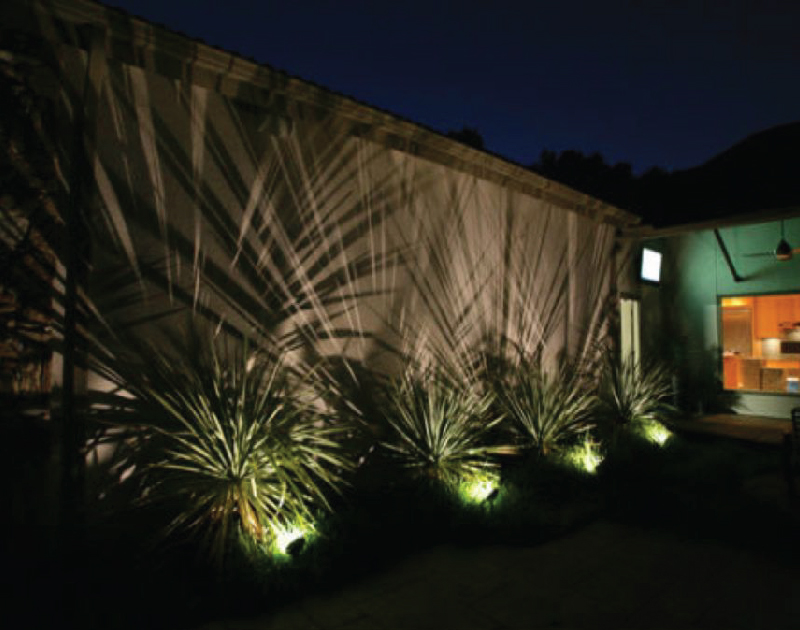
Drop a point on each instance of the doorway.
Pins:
(630, 340)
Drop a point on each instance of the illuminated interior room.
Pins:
(761, 342)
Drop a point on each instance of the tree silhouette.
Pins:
(469, 136)
(590, 174)
(758, 173)
(650, 195)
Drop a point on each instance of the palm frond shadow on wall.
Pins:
(314, 241)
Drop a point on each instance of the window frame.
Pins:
(720, 342)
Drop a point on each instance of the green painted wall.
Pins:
(681, 319)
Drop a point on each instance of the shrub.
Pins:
(633, 395)
(547, 411)
(438, 428)
(234, 440)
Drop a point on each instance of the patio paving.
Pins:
(742, 427)
(607, 575)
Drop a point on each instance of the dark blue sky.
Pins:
(668, 83)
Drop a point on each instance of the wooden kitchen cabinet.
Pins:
(730, 372)
(773, 313)
(785, 308)
(765, 318)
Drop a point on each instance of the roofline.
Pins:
(749, 218)
(185, 58)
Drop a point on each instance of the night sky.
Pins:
(669, 83)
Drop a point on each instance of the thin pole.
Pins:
(76, 249)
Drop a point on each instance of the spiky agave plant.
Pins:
(242, 445)
(633, 394)
(439, 428)
(547, 410)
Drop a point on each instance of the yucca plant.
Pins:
(234, 439)
(633, 394)
(546, 411)
(439, 428)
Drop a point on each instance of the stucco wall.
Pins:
(297, 225)
(368, 245)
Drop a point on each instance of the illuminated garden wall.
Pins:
(187, 185)
(294, 223)
(284, 224)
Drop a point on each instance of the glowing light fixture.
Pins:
(651, 265)
(736, 301)
(284, 535)
(586, 456)
(783, 251)
(656, 433)
(478, 489)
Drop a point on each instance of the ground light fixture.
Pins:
(655, 432)
(586, 455)
(479, 489)
(289, 539)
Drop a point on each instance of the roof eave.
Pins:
(155, 48)
(647, 231)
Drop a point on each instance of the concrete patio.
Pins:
(605, 576)
(738, 426)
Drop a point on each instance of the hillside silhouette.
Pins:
(761, 172)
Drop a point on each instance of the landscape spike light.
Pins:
(480, 488)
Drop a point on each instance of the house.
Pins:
(163, 177)
(724, 313)
(194, 179)
(727, 312)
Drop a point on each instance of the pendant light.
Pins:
(783, 251)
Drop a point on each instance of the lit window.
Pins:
(761, 343)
